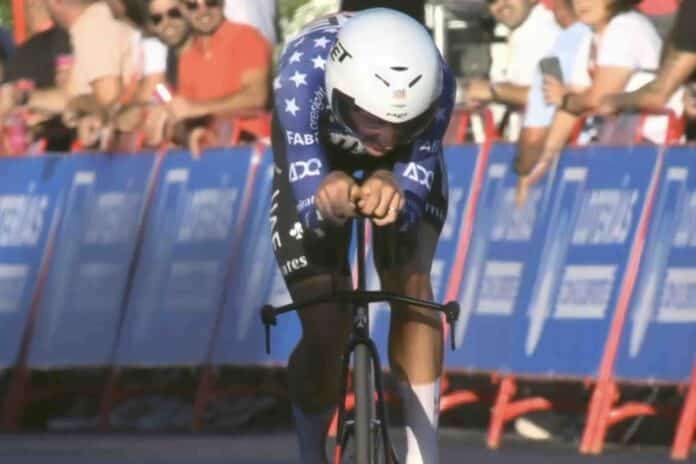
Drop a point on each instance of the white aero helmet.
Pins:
(385, 63)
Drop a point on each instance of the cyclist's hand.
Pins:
(337, 196)
(381, 198)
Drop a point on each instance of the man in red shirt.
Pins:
(226, 68)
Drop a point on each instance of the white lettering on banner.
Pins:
(419, 174)
(207, 214)
(301, 169)
(678, 302)
(113, 219)
(13, 278)
(686, 233)
(454, 210)
(275, 235)
(499, 286)
(585, 292)
(21, 219)
(294, 265)
(192, 286)
(95, 285)
(606, 217)
(513, 223)
(300, 138)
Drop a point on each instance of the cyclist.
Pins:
(361, 92)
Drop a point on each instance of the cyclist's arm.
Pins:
(415, 174)
(296, 137)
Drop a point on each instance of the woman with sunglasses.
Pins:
(366, 92)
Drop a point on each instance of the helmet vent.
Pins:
(415, 81)
(384, 81)
(399, 68)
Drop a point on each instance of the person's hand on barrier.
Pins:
(199, 138)
(337, 196)
(608, 106)
(157, 126)
(180, 108)
(554, 91)
(525, 182)
(89, 130)
(474, 93)
(381, 198)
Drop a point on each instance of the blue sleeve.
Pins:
(416, 173)
(299, 101)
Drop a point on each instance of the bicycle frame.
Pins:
(366, 358)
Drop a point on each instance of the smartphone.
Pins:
(162, 93)
(551, 66)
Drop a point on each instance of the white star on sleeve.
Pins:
(276, 83)
(291, 106)
(319, 62)
(295, 58)
(298, 78)
(321, 42)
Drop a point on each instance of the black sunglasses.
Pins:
(172, 13)
(193, 5)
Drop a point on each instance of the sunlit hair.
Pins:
(622, 6)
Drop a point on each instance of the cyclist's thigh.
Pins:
(414, 250)
(311, 265)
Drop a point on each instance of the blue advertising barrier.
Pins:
(31, 194)
(659, 341)
(256, 281)
(460, 162)
(180, 276)
(82, 300)
(579, 258)
(496, 263)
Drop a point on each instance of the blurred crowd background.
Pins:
(127, 75)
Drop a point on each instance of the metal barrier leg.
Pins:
(603, 398)
(686, 429)
(506, 393)
(16, 395)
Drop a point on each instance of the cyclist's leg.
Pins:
(403, 260)
(311, 266)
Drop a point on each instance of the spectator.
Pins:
(413, 8)
(105, 68)
(226, 68)
(42, 60)
(615, 63)
(533, 30)
(38, 17)
(678, 64)
(168, 24)
(261, 14)
(539, 114)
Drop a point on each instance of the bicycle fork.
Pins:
(366, 356)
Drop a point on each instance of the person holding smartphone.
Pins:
(564, 62)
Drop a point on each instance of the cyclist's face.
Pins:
(377, 136)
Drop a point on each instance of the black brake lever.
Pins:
(452, 315)
(268, 316)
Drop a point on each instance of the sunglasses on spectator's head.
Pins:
(193, 5)
(172, 13)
